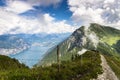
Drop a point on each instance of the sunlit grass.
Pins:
(110, 39)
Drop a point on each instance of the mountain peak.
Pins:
(93, 24)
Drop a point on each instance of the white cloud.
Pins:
(21, 6)
(106, 12)
(48, 18)
(43, 2)
(12, 23)
(18, 6)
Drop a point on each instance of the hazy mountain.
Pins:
(12, 44)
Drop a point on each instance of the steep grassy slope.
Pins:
(103, 31)
(78, 69)
(7, 63)
(108, 37)
(114, 63)
(8, 66)
(117, 46)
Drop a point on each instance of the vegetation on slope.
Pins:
(117, 46)
(83, 67)
(110, 39)
(6, 63)
(103, 31)
(114, 63)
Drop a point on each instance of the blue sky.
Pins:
(60, 11)
(56, 16)
(2, 3)
(55, 10)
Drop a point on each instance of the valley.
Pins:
(86, 54)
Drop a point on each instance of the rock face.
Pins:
(108, 74)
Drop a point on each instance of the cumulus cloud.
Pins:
(43, 2)
(11, 23)
(17, 6)
(105, 12)
(21, 6)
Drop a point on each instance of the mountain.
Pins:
(103, 39)
(95, 37)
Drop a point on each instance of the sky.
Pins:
(56, 16)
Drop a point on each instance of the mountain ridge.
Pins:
(96, 37)
(93, 38)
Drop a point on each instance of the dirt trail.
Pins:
(108, 74)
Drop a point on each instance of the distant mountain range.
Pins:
(26, 47)
(12, 44)
(16, 43)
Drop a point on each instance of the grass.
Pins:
(87, 68)
(111, 39)
(114, 63)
